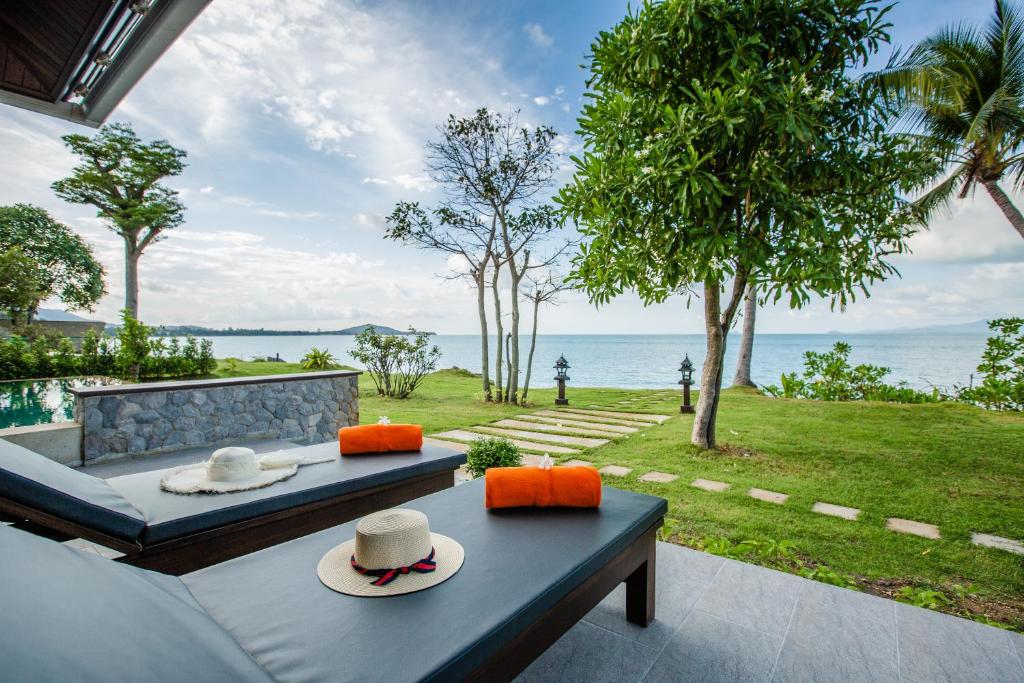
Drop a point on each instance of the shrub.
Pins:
(318, 359)
(65, 360)
(1001, 368)
(491, 452)
(395, 363)
(133, 347)
(829, 377)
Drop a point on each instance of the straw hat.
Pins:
(234, 469)
(394, 552)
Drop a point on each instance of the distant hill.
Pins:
(197, 331)
(976, 327)
(55, 315)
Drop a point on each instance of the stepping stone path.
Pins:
(709, 485)
(836, 511)
(998, 542)
(658, 477)
(463, 435)
(617, 429)
(641, 417)
(615, 470)
(592, 418)
(553, 438)
(908, 526)
(541, 427)
(768, 496)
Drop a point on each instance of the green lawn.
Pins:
(958, 467)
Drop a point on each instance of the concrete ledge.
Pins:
(60, 441)
(149, 387)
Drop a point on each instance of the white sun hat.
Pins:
(235, 469)
(393, 553)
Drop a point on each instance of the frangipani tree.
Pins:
(725, 139)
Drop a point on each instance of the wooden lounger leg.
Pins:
(640, 592)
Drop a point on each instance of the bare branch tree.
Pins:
(543, 290)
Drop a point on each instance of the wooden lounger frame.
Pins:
(205, 548)
(635, 566)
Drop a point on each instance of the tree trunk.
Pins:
(498, 384)
(481, 309)
(1011, 212)
(508, 367)
(703, 433)
(742, 378)
(529, 356)
(513, 373)
(131, 281)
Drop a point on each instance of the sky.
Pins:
(305, 122)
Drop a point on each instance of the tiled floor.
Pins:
(722, 620)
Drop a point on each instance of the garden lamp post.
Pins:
(561, 365)
(687, 371)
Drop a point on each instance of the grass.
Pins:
(952, 465)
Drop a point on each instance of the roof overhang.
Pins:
(77, 59)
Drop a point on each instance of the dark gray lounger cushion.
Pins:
(70, 616)
(40, 483)
(519, 563)
(170, 515)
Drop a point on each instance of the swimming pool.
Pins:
(42, 401)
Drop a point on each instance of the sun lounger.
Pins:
(529, 575)
(176, 533)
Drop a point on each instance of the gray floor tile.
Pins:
(682, 576)
(939, 647)
(837, 637)
(706, 648)
(1017, 645)
(588, 653)
(753, 596)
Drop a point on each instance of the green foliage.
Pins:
(319, 359)
(232, 364)
(726, 138)
(491, 452)
(397, 364)
(1001, 368)
(668, 529)
(133, 346)
(828, 376)
(780, 555)
(97, 356)
(923, 597)
(959, 93)
(21, 286)
(52, 260)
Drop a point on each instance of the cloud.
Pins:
(420, 183)
(375, 181)
(361, 83)
(560, 90)
(541, 100)
(206, 190)
(374, 223)
(231, 277)
(973, 230)
(537, 35)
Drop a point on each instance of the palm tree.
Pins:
(961, 93)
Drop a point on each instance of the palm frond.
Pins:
(939, 197)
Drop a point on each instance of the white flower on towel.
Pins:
(383, 420)
(545, 462)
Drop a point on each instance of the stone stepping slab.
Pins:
(909, 526)
(618, 429)
(454, 445)
(553, 438)
(709, 485)
(591, 418)
(563, 429)
(615, 470)
(642, 417)
(577, 463)
(768, 496)
(836, 511)
(463, 435)
(998, 542)
(658, 477)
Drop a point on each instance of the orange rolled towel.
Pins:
(509, 487)
(380, 438)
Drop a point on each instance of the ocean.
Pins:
(652, 361)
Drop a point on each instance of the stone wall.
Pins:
(162, 416)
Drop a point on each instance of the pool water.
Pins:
(41, 401)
